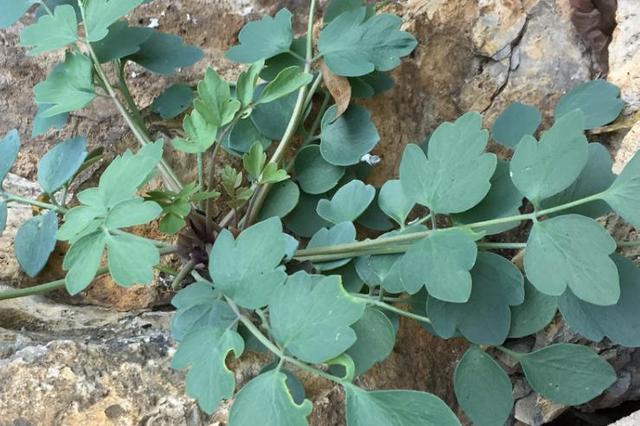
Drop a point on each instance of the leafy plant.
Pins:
(331, 308)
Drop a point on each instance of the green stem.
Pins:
(634, 243)
(186, 270)
(23, 200)
(575, 203)
(46, 8)
(201, 177)
(513, 354)
(495, 246)
(391, 308)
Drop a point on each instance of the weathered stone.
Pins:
(624, 53)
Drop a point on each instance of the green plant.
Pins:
(335, 317)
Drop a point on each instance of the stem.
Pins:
(201, 176)
(23, 200)
(575, 203)
(634, 243)
(392, 308)
(513, 354)
(502, 245)
(46, 8)
(186, 270)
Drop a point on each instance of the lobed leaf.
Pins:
(61, 163)
(263, 39)
(126, 269)
(51, 31)
(173, 101)
(164, 53)
(314, 174)
(282, 199)
(376, 337)
(288, 80)
(514, 123)
(12, 10)
(35, 241)
(534, 314)
(348, 203)
(341, 233)
(121, 41)
(82, 261)
(214, 100)
(199, 134)
(303, 220)
(623, 195)
(344, 140)
(100, 14)
(598, 100)
(394, 202)
(41, 125)
(9, 148)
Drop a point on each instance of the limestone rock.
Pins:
(624, 53)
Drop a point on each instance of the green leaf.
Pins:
(482, 388)
(211, 313)
(353, 45)
(263, 39)
(51, 31)
(542, 169)
(271, 119)
(128, 270)
(198, 293)
(214, 100)
(173, 101)
(132, 212)
(121, 42)
(272, 174)
(82, 261)
(595, 178)
(375, 339)
(335, 8)
(350, 279)
(314, 174)
(515, 122)
(370, 85)
(485, 319)
(341, 233)
(205, 351)
(281, 61)
(242, 137)
(442, 262)
(247, 269)
(165, 53)
(344, 140)
(3, 216)
(394, 202)
(282, 199)
(303, 220)
(35, 240)
(61, 163)
(503, 200)
(396, 408)
(623, 195)
(247, 81)
(311, 315)
(567, 374)
(599, 100)
(349, 202)
(619, 322)
(199, 134)
(456, 175)
(266, 401)
(12, 10)
(9, 148)
(534, 314)
(253, 161)
(374, 218)
(42, 124)
(68, 87)
(288, 80)
(100, 14)
(572, 250)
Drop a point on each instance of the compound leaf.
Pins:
(340, 233)
(126, 269)
(599, 101)
(542, 169)
(272, 119)
(51, 31)
(35, 240)
(247, 82)
(214, 100)
(164, 53)
(100, 14)
(209, 312)
(515, 122)
(266, 400)
(173, 101)
(534, 314)
(199, 134)
(246, 269)
(303, 220)
(134, 211)
(263, 39)
(624, 194)
(375, 339)
(61, 163)
(205, 351)
(314, 174)
(335, 8)
(456, 175)
(482, 388)
(572, 250)
(311, 315)
(348, 203)
(121, 41)
(288, 80)
(242, 137)
(282, 199)
(394, 202)
(9, 148)
(353, 45)
(567, 374)
(82, 261)
(344, 140)
(68, 87)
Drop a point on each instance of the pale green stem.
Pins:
(23, 200)
(392, 308)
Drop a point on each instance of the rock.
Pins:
(624, 53)
(632, 420)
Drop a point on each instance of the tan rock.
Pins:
(624, 53)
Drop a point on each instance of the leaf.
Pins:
(199, 134)
(371, 84)
(100, 14)
(213, 313)
(311, 315)
(247, 269)
(271, 119)
(599, 100)
(352, 46)
(349, 202)
(534, 314)
(205, 351)
(242, 137)
(35, 240)
(339, 88)
(350, 279)
(455, 176)
(247, 81)
(214, 100)
(263, 39)
(132, 212)
(266, 401)
(344, 140)
(9, 148)
(373, 218)
(595, 178)
(442, 262)
(572, 250)
(287, 81)
(342, 233)
(394, 202)
(61, 163)
(335, 8)
(121, 41)
(68, 87)
(11, 11)
(482, 388)
(198, 293)
(282, 199)
(623, 195)
(375, 339)
(396, 408)
(128, 270)
(485, 319)
(542, 169)
(567, 374)
(82, 261)
(515, 122)
(51, 32)
(272, 174)
(314, 174)
(164, 53)
(173, 101)
(303, 220)
(287, 59)
(503, 200)
(3, 216)
(253, 161)
(619, 322)
(42, 124)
